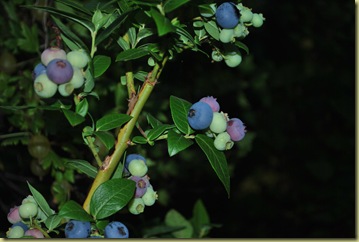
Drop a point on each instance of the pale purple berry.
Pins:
(212, 102)
(141, 184)
(59, 71)
(52, 53)
(13, 216)
(35, 233)
(236, 129)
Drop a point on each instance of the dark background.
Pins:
(293, 176)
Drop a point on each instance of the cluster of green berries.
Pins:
(24, 219)
(60, 72)
(206, 115)
(233, 21)
(76, 229)
(136, 170)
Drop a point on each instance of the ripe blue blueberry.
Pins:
(77, 229)
(200, 115)
(38, 69)
(116, 229)
(59, 71)
(236, 129)
(227, 15)
(22, 225)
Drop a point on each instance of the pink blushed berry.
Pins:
(236, 129)
(13, 216)
(212, 102)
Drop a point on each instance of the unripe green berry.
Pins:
(28, 199)
(28, 210)
(226, 35)
(223, 141)
(240, 31)
(15, 232)
(78, 58)
(217, 56)
(257, 20)
(150, 196)
(66, 89)
(233, 59)
(219, 123)
(151, 61)
(78, 78)
(246, 15)
(136, 206)
(137, 167)
(44, 87)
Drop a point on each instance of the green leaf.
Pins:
(106, 138)
(82, 107)
(176, 143)
(123, 43)
(41, 201)
(164, 25)
(179, 110)
(242, 46)
(53, 221)
(30, 41)
(73, 210)
(153, 121)
(139, 140)
(111, 196)
(82, 166)
(119, 170)
(171, 5)
(159, 130)
(216, 158)
(132, 54)
(111, 121)
(200, 220)
(141, 75)
(90, 82)
(76, 6)
(101, 63)
(73, 118)
(174, 219)
(212, 29)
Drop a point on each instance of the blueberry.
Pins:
(52, 53)
(212, 102)
(223, 141)
(59, 71)
(78, 58)
(219, 123)
(150, 197)
(13, 216)
(137, 167)
(44, 87)
(15, 232)
(200, 115)
(34, 233)
(141, 184)
(236, 129)
(38, 69)
(116, 229)
(77, 229)
(227, 15)
(131, 157)
(28, 210)
(136, 206)
(257, 20)
(22, 225)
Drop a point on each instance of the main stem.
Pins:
(110, 164)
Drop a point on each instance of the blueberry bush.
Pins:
(79, 108)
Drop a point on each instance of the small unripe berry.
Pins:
(78, 78)
(52, 53)
(44, 87)
(219, 123)
(28, 210)
(141, 184)
(35, 233)
(223, 141)
(240, 31)
(246, 15)
(13, 216)
(59, 71)
(150, 197)
(116, 229)
(39, 146)
(21, 224)
(257, 20)
(66, 89)
(15, 232)
(28, 199)
(129, 158)
(78, 58)
(212, 102)
(233, 59)
(227, 15)
(200, 115)
(236, 129)
(216, 56)
(226, 36)
(137, 167)
(136, 206)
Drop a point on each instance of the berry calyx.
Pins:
(136, 206)
(116, 229)
(227, 15)
(200, 115)
(77, 229)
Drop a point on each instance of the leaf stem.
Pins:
(92, 147)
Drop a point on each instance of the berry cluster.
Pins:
(206, 115)
(23, 219)
(59, 71)
(233, 20)
(136, 169)
(76, 229)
